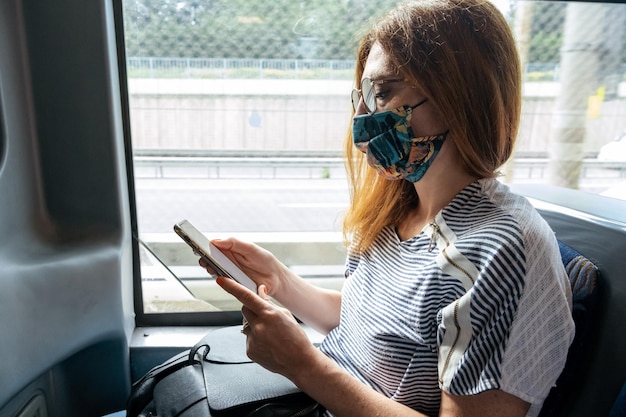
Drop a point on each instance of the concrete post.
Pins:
(521, 30)
(579, 68)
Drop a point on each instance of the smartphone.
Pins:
(213, 256)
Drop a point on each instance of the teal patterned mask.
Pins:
(391, 148)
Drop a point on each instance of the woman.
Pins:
(456, 301)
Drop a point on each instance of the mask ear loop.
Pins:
(420, 103)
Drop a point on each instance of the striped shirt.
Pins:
(478, 300)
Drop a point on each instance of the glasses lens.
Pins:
(367, 92)
(369, 97)
(356, 97)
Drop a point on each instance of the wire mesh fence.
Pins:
(573, 53)
(157, 67)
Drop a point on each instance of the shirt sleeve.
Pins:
(512, 325)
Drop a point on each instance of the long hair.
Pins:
(462, 56)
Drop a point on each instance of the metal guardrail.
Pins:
(158, 67)
(238, 164)
(211, 166)
(590, 167)
(214, 166)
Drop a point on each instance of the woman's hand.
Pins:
(317, 307)
(277, 342)
(257, 263)
(274, 338)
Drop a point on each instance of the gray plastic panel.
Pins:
(66, 252)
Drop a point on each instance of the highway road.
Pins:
(225, 205)
(283, 210)
(300, 208)
(256, 205)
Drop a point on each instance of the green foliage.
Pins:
(547, 31)
(546, 47)
(280, 29)
(287, 29)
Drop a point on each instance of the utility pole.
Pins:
(522, 27)
(582, 44)
(611, 61)
(522, 24)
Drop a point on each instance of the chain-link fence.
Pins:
(256, 75)
(229, 96)
(238, 68)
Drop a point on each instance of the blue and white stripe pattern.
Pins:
(439, 311)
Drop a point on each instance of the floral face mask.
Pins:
(390, 145)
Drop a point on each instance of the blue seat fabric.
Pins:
(584, 280)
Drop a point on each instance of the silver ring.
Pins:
(246, 325)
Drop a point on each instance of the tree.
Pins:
(247, 28)
(547, 31)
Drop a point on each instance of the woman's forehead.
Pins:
(378, 65)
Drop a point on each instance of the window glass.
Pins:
(239, 109)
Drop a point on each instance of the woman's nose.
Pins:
(361, 108)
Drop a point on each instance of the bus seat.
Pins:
(619, 406)
(584, 279)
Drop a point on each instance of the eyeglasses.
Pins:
(368, 94)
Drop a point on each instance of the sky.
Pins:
(503, 5)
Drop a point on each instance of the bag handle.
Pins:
(194, 350)
(142, 390)
(226, 350)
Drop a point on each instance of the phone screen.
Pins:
(212, 255)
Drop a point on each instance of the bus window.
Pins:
(239, 109)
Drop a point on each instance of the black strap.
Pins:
(194, 350)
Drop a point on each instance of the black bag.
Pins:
(216, 378)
